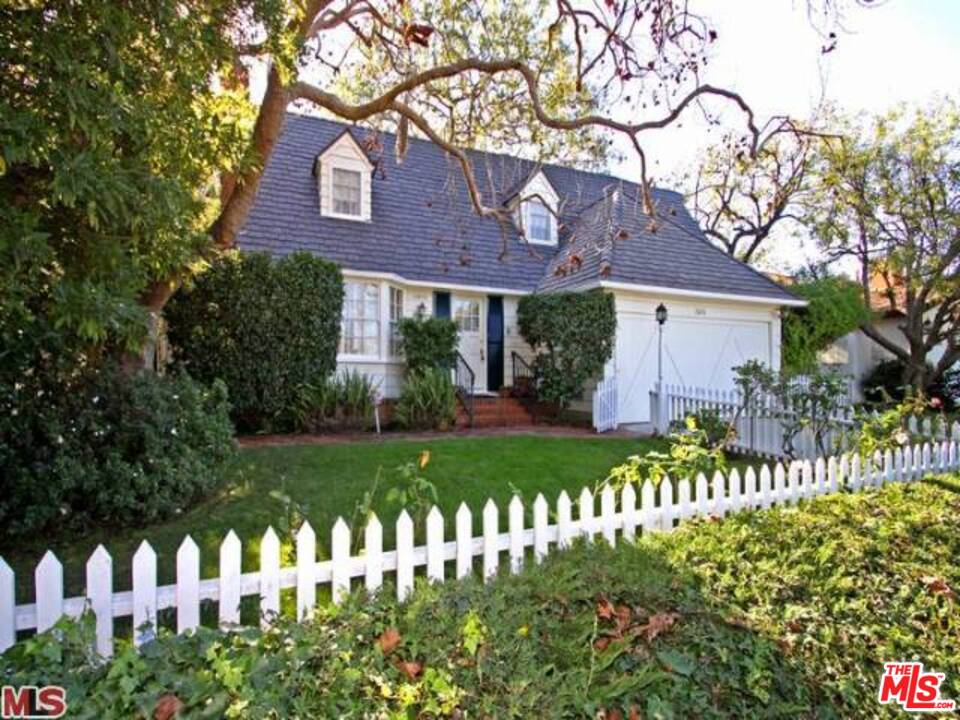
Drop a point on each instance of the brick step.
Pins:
(495, 422)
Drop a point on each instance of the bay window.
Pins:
(360, 326)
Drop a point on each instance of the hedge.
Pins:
(428, 342)
(111, 449)
(263, 326)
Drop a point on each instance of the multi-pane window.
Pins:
(346, 192)
(540, 220)
(466, 313)
(360, 327)
(396, 313)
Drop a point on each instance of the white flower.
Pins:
(60, 439)
(173, 431)
(901, 437)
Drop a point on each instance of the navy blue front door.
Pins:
(494, 343)
(441, 304)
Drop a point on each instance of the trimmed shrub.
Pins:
(428, 400)
(265, 327)
(340, 402)
(572, 335)
(114, 449)
(428, 342)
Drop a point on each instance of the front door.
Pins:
(468, 313)
(494, 343)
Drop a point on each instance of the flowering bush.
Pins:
(108, 448)
(692, 451)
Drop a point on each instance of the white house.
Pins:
(408, 241)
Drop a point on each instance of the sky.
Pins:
(901, 51)
(767, 50)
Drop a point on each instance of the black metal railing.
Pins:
(524, 378)
(464, 380)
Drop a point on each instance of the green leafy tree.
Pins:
(572, 335)
(112, 135)
(889, 201)
(834, 308)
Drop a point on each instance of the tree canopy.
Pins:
(112, 137)
(130, 151)
(889, 202)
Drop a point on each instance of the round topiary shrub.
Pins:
(108, 448)
(263, 326)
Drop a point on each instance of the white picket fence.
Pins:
(605, 404)
(760, 427)
(659, 508)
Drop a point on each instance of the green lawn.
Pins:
(328, 481)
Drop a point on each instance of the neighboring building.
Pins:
(408, 241)
(856, 355)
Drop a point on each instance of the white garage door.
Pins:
(696, 352)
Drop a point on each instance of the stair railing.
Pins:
(464, 380)
(524, 378)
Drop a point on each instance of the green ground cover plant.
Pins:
(782, 613)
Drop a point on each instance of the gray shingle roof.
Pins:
(424, 229)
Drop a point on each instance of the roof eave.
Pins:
(701, 294)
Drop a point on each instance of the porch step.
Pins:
(495, 411)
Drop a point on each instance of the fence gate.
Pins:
(605, 405)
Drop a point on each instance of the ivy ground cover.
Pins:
(782, 613)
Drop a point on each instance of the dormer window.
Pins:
(536, 213)
(344, 175)
(347, 188)
(540, 221)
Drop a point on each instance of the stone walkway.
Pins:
(372, 437)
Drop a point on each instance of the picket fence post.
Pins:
(8, 606)
(515, 512)
(372, 549)
(404, 555)
(144, 594)
(100, 596)
(540, 521)
(307, 565)
(188, 586)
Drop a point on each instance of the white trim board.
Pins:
(605, 284)
(703, 294)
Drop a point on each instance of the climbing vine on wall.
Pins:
(572, 335)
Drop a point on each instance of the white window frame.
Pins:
(352, 304)
(395, 308)
(458, 316)
(333, 192)
(537, 206)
